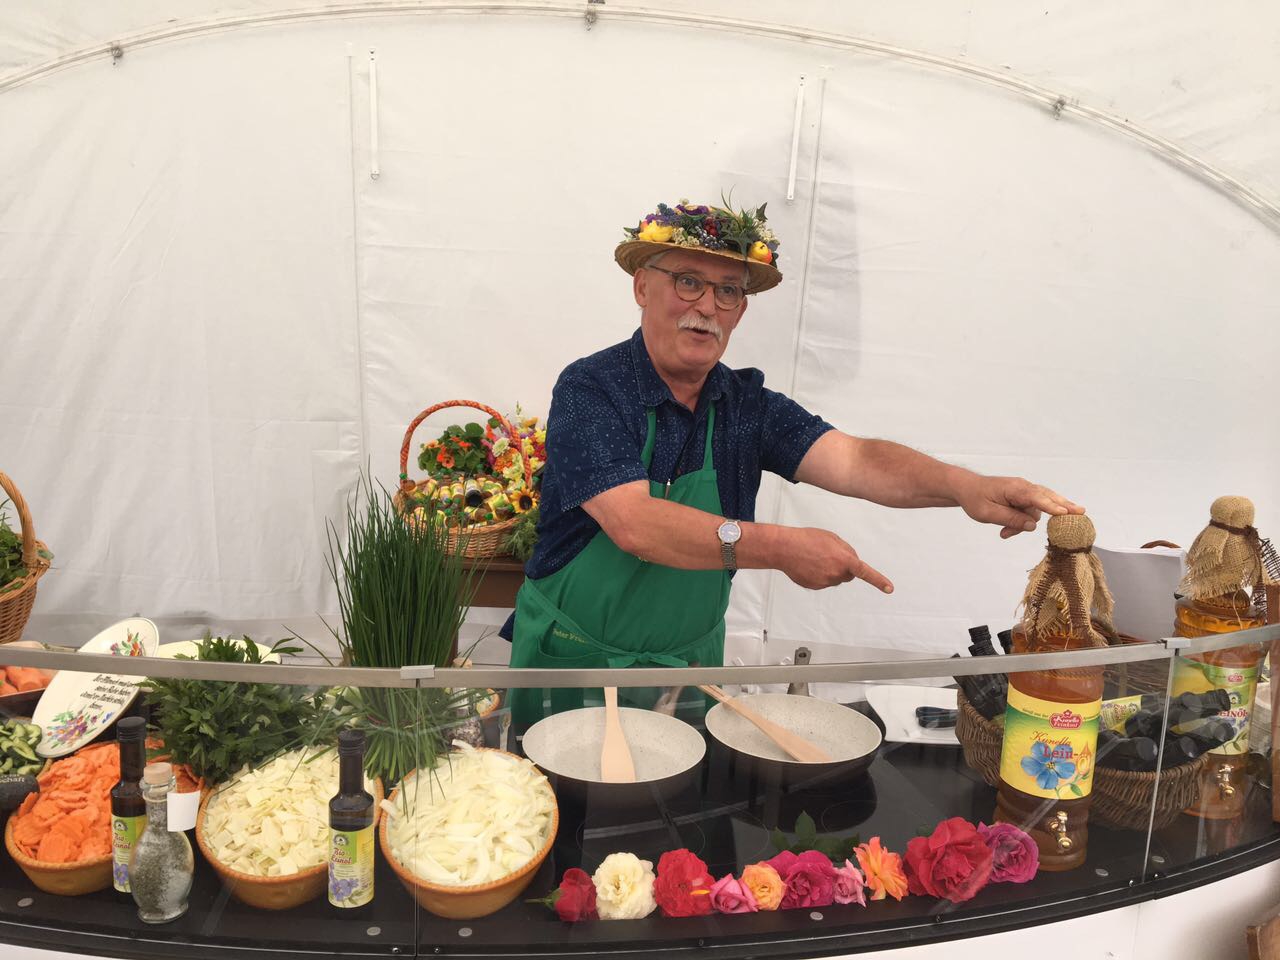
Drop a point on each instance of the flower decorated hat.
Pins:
(742, 236)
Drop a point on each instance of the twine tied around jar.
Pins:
(1230, 556)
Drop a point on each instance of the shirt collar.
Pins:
(654, 390)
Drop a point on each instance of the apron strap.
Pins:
(711, 426)
(646, 455)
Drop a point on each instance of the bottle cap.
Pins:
(157, 774)
(350, 743)
(131, 729)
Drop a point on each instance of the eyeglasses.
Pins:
(690, 286)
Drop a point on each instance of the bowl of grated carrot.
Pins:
(61, 836)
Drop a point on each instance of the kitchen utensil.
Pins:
(616, 765)
(795, 745)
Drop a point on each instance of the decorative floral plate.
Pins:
(77, 706)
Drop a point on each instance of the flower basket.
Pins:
(1120, 799)
(16, 601)
(478, 541)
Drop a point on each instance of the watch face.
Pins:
(729, 532)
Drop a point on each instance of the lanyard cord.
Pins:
(684, 448)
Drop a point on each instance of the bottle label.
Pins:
(351, 867)
(1116, 712)
(125, 832)
(1049, 747)
(1192, 676)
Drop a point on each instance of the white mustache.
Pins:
(695, 321)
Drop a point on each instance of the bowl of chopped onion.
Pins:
(467, 837)
(265, 832)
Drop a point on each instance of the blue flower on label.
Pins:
(342, 889)
(120, 873)
(1047, 767)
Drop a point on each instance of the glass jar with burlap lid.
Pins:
(1048, 753)
(1229, 567)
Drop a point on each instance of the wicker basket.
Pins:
(16, 602)
(1120, 799)
(477, 542)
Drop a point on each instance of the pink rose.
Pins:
(730, 896)
(1015, 858)
(848, 886)
(810, 879)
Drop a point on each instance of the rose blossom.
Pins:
(764, 885)
(954, 862)
(577, 899)
(1015, 858)
(732, 896)
(848, 888)
(683, 886)
(810, 878)
(624, 887)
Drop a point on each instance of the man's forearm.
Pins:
(678, 536)
(896, 476)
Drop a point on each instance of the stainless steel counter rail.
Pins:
(426, 676)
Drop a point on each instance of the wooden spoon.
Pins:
(616, 765)
(794, 744)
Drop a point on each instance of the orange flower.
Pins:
(765, 885)
(882, 869)
(464, 445)
(445, 459)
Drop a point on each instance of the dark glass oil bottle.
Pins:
(351, 816)
(128, 807)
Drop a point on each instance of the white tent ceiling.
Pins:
(212, 314)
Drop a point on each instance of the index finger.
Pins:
(1052, 503)
(864, 571)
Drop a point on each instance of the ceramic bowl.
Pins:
(270, 893)
(477, 900)
(64, 879)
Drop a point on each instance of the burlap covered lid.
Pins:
(1067, 591)
(1229, 556)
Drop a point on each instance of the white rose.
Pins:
(624, 887)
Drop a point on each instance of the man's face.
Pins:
(687, 338)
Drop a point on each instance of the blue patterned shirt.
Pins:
(596, 431)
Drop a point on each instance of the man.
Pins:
(654, 456)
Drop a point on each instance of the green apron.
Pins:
(609, 609)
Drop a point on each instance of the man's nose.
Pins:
(706, 304)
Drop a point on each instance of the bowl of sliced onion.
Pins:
(466, 837)
(265, 831)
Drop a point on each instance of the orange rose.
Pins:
(882, 870)
(765, 885)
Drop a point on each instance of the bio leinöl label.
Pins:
(125, 832)
(1115, 712)
(1049, 747)
(1240, 683)
(351, 867)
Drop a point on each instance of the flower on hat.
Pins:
(655, 231)
(699, 226)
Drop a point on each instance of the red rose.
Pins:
(809, 878)
(682, 887)
(1014, 855)
(577, 897)
(954, 863)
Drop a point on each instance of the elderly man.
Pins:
(654, 456)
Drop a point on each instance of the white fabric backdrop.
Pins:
(212, 315)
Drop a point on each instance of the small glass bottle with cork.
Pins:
(162, 866)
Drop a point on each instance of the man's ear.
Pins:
(640, 286)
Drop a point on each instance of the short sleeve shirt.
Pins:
(596, 431)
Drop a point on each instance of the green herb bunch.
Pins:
(403, 593)
(12, 569)
(523, 536)
(216, 727)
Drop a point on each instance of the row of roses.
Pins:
(953, 863)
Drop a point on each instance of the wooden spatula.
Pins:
(794, 744)
(616, 765)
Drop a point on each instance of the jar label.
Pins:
(1049, 747)
(125, 832)
(1116, 712)
(1192, 676)
(351, 867)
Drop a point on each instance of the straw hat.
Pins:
(742, 236)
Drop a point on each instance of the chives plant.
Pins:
(403, 592)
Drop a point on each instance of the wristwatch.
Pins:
(729, 533)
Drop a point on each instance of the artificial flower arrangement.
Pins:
(476, 475)
(709, 227)
(953, 863)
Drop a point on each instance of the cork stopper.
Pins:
(1228, 557)
(1067, 591)
(1071, 531)
(157, 774)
